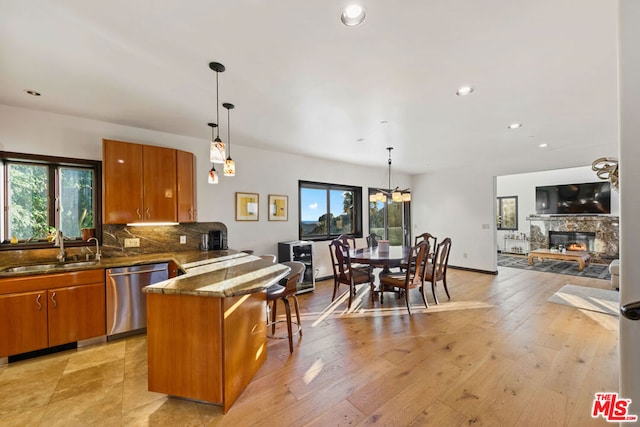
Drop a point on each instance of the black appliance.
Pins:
(585, 198)
(217, 240)
(300, 250)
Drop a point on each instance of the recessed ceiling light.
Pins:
(515, 126)
(543, 145)
(360, 139)
(352, 15)
(464, 90)
(32, 92)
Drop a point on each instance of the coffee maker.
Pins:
(217, 240)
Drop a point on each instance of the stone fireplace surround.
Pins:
(606, 229)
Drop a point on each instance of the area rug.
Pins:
(593, 299)
(595, 271)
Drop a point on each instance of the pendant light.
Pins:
(229, 164)
(213, 174)
(396, 194)
(216, 150)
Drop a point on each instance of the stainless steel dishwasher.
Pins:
(126, 303)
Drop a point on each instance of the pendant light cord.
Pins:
(229, 131)
(217, 106)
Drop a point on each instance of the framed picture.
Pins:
(247, 206)
(278, 207)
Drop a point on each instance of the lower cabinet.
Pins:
(51, 310)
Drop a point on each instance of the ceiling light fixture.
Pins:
(353, 15)
(543, 145)
(229, 164)
(396, 194)
(33, 93)
(464, 90)
(515, 126)
(213, 174)
(216, 149)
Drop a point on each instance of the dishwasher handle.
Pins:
(129, 273)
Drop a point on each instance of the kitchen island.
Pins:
(206, 329)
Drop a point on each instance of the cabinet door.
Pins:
(23, 322)
(159, 184)
(122, 182)
(76, 313)
(186, 186)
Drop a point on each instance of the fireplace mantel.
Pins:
(605, 227)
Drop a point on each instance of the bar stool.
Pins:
(287, 287)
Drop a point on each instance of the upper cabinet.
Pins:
(186, 186)
(140, 183)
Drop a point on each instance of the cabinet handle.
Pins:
(148, 213)
(53, 300)
(38, 302)
(138, 212)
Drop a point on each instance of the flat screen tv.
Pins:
(585, 198)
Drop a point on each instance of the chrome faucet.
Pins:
(98, 254)
(58, 240)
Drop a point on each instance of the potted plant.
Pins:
(87, 230)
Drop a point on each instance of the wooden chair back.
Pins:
(428, 237)
(341, 261)
(441, 259)
(419, 257)
(372, 240)
(347, 240)
(297, 272)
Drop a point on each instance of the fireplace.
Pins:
(572, 240)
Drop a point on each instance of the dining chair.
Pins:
(348, 240)
(411, 277)
(428, 237)
(372, 240)
(437, 267)
(287, 287)
(345, 273)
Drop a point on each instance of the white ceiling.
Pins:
(304, 83)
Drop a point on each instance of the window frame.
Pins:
(357, 205)
(54, 164)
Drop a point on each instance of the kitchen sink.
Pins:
(36, 268)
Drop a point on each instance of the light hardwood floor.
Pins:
(497, 354)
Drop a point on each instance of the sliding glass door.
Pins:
(390, 220)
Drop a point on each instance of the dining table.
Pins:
(394, 257)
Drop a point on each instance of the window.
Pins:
(390, 220)
(42, 193)
(328, 210)
(507, 213)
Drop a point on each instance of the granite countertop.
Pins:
(221, 273)
(224, 278)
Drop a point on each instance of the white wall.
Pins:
(258, 171)
(461, 205)
(524, 186)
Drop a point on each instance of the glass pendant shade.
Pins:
(372, 198)
(213, 176)
(217, 152)
(396, 196)
(380, 197)
(229, 167)
(406, 197)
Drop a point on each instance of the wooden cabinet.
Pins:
(23, 322)
(122, 182)
(139, 183)
(76, 313)
(205, 348)
(185, 169)
(37, 312)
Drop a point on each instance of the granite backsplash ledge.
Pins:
(154, 239)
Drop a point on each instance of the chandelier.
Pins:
(396, 194)
(606, 168)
